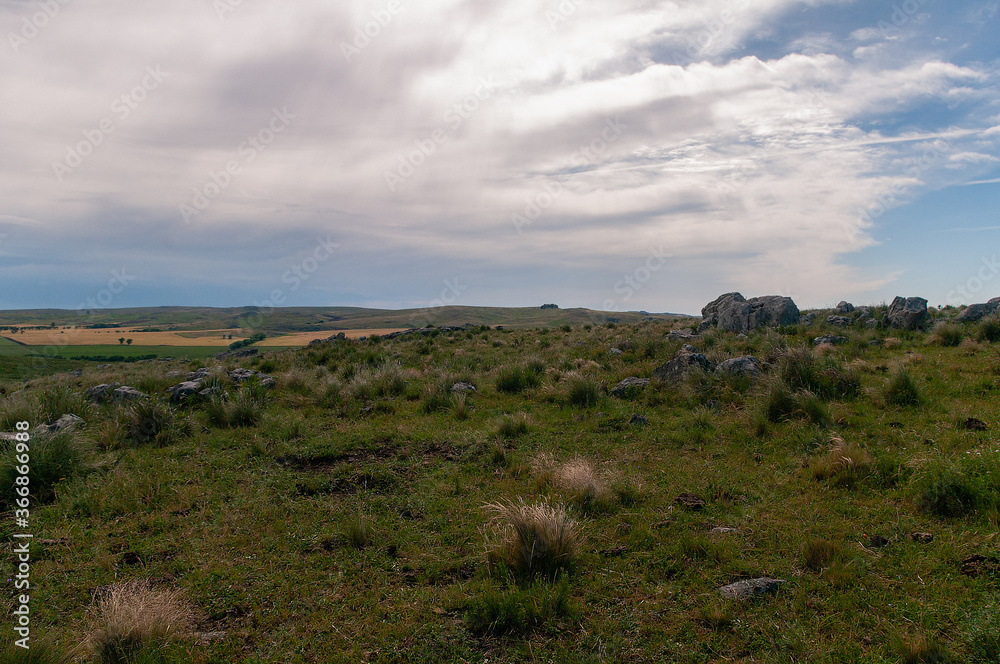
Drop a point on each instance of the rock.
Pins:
(734, 313)
(240, 375)
(845, 307)
(690, 500)
(977, 312)
(125, 393)
(747, 365)
(102, 367)
(176, 374)
(67, 422)
(615, 352)
(683, 335)
(688, 348)
(210, 392)
(101, 393)
(678, 368)
(630, 384)
(723, 530)
(638, 420)
(806, 320)
(751, 588)
(839, 321)
(830, 339)
(907, 313)
(463, 387)
(182, 391)
(923, 538)
(871, 323)
(199, 374)
(76, 372)
(972, 424)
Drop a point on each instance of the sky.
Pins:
(610, 154)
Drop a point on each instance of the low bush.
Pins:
(902, 389)
(51, 459)
(531, 539)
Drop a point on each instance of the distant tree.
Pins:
(121, 340)
(128, 342)
(550, 306)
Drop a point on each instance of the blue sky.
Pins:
(618, 155)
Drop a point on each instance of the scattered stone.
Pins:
(678, 368)
(241, 375)
(734, 313)
(923, 538)
(683, 335)
(830, 339)
(977, 565)
(101, 393)
(125, 393)
(972, 424)
(876, 342)
(746, 365)
(839, 321)
(872, 323)
(622, 389)
(101, 367)
(76, 372)
(463, 387)
(751, 588)
(182, 391)
(210, 392)
(907, 313)
(806, 320)
(638, 420)
(722, 530)
(67, 422)
(690, 500)
(615, 351)
(845, 307)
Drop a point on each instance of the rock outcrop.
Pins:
(977, 312)
(688, 359)
(734, 313)
(908, 313)
(747, 365)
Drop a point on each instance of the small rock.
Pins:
(747, 365)
(839, 321)
(722, 530)
(101, 393)
(182, 391)
(688, 348)
(751, 588)
(678, 368)
(67, 422)
(683, 335)
(638, 420)
(690, 500)
(463, 387)
(627, 385)
(972, 424)
(123, 394)
(923, 538)
(615, 352)
(845, 307)
(830, 339)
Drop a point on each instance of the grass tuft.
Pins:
(532, 539)
(132, 618)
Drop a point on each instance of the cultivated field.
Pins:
(370, 508)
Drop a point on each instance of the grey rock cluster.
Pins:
(113, 392)
(976, 312)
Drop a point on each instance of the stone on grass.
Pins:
(977, 312)
(830, 339)
(746, 365)
(839, 321)
(690, 500)
(751, 588)
(462, 386)
(734, 313)
(101, 393)
(627, 385)
(908, 313)
(126, 393)
(684, 363)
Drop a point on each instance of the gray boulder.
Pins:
(614, 352)
(747, 365)
(830, 339)
(872, 323)
(683, 335)
(751, 588)
(838, 321)
(631, 383)
(734, 313)
(65, 423)
(182, 391)
(685, 362)
(463, 387)
(845, 307)
(907, 313)
(101, 393)
(977, 312)
(126, 393)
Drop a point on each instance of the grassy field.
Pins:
(361, 511)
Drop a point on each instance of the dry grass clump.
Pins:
(844, 463)
(132, 617)
(529, 540)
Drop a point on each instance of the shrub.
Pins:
(532, 539)
(582, 391)
(825, 377)
(515, 380)
(948, 335)
(52, 458)
(147, 421)
(902, 389)
(513, 426)
(515, 611)
(819, 554)
(989, 330)
(132, 618)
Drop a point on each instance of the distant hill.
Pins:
(307, 319)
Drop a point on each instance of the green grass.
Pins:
(344, 516)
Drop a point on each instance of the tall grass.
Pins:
(536, 539)
(131, 618)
